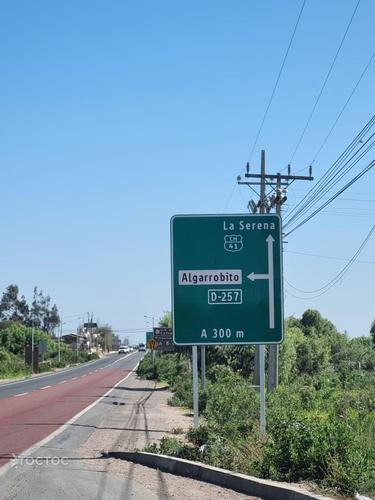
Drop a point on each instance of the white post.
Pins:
(32, 349)
(60, 328)
(203, 366)
(195, 387)
(262, 381)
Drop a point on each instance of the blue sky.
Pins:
(117, 115)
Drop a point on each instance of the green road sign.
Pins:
(226, 279)
(149, 336)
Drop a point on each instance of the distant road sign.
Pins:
(152, 344)
(43, 346)
(164, 337)
(226, 279)
(90, 325)
(149, 336)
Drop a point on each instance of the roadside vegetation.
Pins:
(17, 319)
(320, 420)
(13, 341)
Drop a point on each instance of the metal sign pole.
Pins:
(32, 349)
(262, 394)
(60, 332)
(203, 366)
(195, 387)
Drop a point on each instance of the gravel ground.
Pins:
(140, 416)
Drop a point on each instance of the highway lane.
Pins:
(21, 387)
(28, 417)
(70, 462)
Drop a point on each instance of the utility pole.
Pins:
(261, 210)
(273, 352)
(279, 184)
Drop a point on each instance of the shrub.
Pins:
(11, 365)
(174, 448)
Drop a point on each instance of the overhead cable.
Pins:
(350, 183)
(277, 82)
(324, 84)
(343, 271)
(342, 109)
(302, 205)
(330, 257)
(335, 178)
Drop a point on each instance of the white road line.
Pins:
(74, 378)
(85, 375)
(39, 377)
(61, 429)
(23, 394)
(45, 387)
(62, 382)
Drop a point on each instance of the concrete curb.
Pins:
(268, 490)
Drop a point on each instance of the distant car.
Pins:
(124, 349)
(141, 347)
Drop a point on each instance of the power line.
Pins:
(277, 81)
(339, 275)
(323, 182)
(334, 177)
(328, 257)
(350, 183)
(343, 109)
(359, 200)
(229, 198)
(324, 84)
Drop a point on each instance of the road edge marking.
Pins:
(5, 468)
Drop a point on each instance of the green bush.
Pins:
(174, 448)
(11, 365)
(167, 367)
(320, 420)
(232, 404)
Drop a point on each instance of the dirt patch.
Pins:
(145, 418)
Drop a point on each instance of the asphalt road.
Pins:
(67, 461)
(31, 410)
(19, 387)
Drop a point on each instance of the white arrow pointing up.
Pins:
(271, 293)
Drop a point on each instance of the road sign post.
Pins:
(226, 279)
(164, 337)
(195, 387)
(149, 338)
(227, 285)
(203, 366)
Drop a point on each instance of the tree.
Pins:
(294, 338)
(13, 308)
(313, 323)
(166, 320)
(372, 331)
(51, 319)
(41, 315)
(106, 337)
